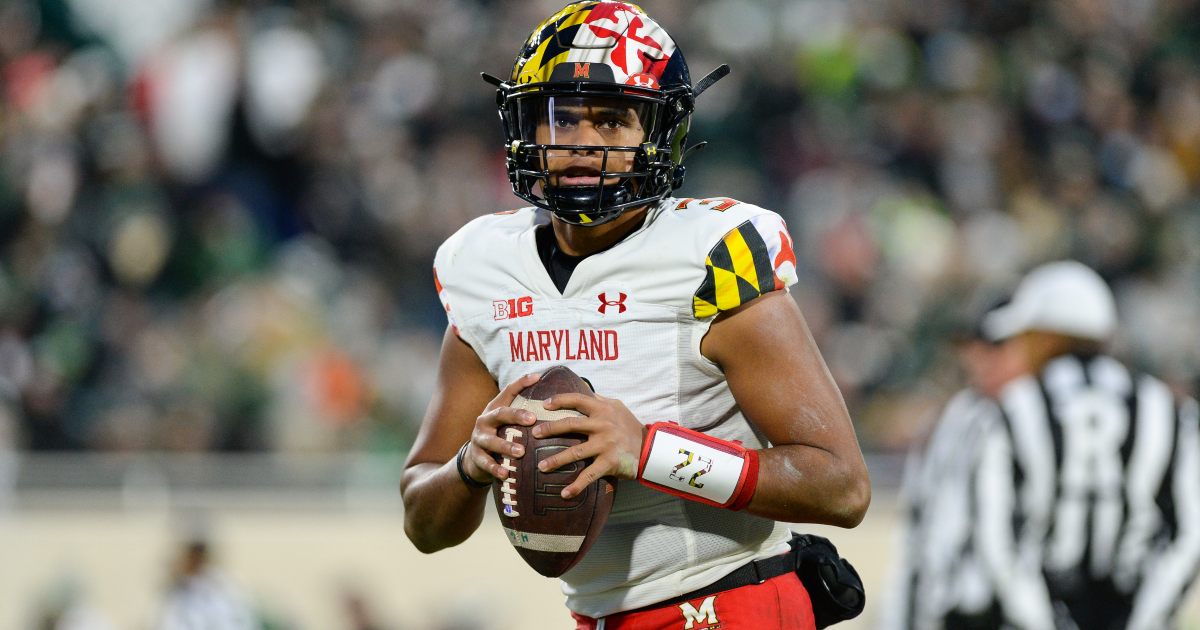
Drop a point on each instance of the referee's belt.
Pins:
(753, 572)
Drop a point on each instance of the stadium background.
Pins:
(217, 220)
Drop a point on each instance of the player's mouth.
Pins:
(579, 176)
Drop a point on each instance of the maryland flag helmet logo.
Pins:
(607, 55)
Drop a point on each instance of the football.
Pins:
(550, 533)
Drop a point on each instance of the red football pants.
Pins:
(780, 603)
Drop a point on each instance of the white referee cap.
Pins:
(1064, 297)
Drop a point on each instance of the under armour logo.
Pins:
(644, 79)
(605, 302)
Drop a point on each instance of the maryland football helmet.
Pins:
(593, 56)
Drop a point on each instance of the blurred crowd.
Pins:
(199, 594)
(217, 217)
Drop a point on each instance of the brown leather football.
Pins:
(549, 532)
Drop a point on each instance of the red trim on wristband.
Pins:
(646, 443)
(748, 483)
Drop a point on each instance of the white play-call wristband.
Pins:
(697, 466)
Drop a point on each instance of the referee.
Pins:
(939, 581)
(1088, 482)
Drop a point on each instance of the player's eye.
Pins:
(616, 119)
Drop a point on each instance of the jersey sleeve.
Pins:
(445, 300)
(448, 281)
(753, 259)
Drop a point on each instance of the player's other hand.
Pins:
(486, 448)
(614, 439)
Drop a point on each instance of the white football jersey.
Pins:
(630, 321)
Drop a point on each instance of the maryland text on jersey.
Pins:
(564, 345)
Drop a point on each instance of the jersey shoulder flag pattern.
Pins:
(752, 259)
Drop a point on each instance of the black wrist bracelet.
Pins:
(458, 463)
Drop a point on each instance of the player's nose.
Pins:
(589, 136)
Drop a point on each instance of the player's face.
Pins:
(585, 123)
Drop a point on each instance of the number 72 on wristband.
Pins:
(697, 466)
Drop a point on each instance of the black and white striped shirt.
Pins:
(1088, 490)
(939, 580)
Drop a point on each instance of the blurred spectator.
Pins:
(200, 597)
(8, 456)
(67, 608)
(359, 614)
(217, 218)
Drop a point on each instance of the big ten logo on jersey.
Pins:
(512, 308)
(549, 485)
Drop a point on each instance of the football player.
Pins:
(676, 311)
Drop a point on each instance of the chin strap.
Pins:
(495, 81)
(692, 150)
(719, 73)
(573, 203)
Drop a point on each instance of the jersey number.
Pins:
(720, 204)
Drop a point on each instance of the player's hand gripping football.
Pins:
(480, 457)
(614, 439)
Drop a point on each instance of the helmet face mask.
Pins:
(596, 113)
(587, 157)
